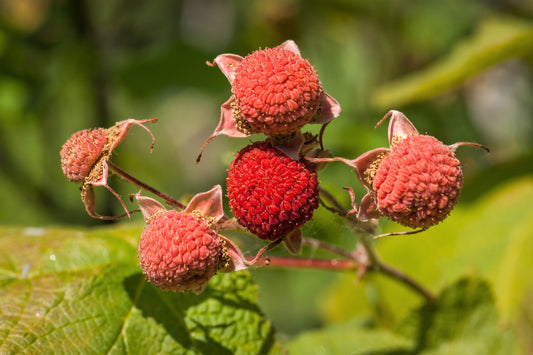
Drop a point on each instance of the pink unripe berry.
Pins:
(276, 91)
(179, 252)
(81, 151)
(418, 183)
(269, 193)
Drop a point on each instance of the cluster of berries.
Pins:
(272, 185)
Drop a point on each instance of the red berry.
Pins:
(269, 193)
(179, 252)
(418, 183)
(81, 151)
(276, 91)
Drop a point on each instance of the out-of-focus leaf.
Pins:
(487, 179)
(79, 291)
(463, 320)
(353, 338)
(3, 40)
(497, 39)
(489, 238)
(513, 280)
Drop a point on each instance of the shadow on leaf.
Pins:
(153, 304)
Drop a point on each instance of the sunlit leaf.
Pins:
(491, 237)
(78, 291)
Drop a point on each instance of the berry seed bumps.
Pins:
(269, 193)
(179, 252)
(418, 183)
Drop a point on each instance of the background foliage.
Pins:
(460, 70)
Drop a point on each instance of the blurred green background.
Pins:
(460, 70)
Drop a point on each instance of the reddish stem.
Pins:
(290, 262)
(124, 175)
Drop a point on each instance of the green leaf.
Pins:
(516, 286)
(496, 40)
(491, 237)
(352, 337)
(82, 291)
(463, 320)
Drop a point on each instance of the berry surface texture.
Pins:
(81, 151)
(277, 91)
(178, 252)
(269, 193)
(418, 183)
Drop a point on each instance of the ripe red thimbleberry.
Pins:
(269, 193)
(418, 183)
(276, 92)
(81, 152)
(179, 252)
(415, 182)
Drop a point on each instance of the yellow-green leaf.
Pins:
(496, 40)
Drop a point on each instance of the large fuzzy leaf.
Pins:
(79, 291)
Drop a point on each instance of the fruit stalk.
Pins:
(124, 175)
(293, 262)
(366, 234)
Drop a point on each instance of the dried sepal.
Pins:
(329, 109)
(234, 260)
(149, 207)
(352, 199)
(366, 164)
(293, 241)
(291, 46)
(399, 127)
(453, 147)
(226, 126)
(363, 165)
(367, 208)
(233, 257)
(227, 63)
(88, 198)
(209, 204)
(98, 177)
(116, 134)
(289, 145)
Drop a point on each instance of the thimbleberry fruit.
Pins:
(269, 193)
(276, 91)
(81, 152)
(179, 252)
(85, 159)
(418, 183)
(415, 182)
